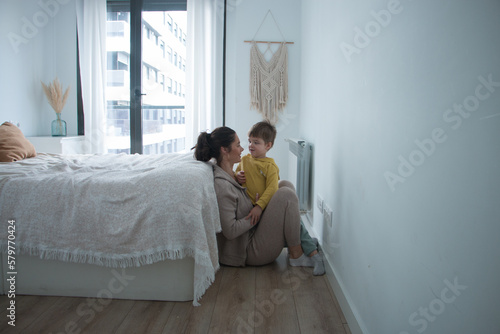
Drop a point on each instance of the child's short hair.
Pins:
(263, 130)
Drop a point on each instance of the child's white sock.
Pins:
(301, 261)
(319, 266)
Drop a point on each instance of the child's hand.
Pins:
(254, 215)
(240, 177)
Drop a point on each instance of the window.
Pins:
(169, 22)
(170, 85)
(162, 47)
(161, 83)
(169, 53)
(118, 16)
(117, 61)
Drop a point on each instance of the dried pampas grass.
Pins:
(54, 94)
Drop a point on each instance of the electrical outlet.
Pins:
(328, 215)
(319, 203)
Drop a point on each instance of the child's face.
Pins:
(258, 148)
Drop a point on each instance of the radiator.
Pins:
(299, 167)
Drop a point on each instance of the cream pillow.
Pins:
(13, 145)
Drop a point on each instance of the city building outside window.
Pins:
(163, 72)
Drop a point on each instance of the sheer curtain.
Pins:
(205, 23)
(91, 20)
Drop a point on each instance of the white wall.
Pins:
(396, 249)
(243, 20)
(38, 43)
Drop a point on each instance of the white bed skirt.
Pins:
(169, 280)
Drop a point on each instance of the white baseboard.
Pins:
(336, 286)
(348, 311)
(307, 220)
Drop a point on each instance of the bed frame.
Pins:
(169, 280)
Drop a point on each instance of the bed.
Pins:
(110, 226)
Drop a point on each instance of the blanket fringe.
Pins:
(101, 259)
(201, 285)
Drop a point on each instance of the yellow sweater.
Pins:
(262, 176)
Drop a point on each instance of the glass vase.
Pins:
(58, 127)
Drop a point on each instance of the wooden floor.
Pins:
(271, 299)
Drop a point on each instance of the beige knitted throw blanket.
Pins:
(113, 210)
(269, 82)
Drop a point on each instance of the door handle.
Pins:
(138, 93)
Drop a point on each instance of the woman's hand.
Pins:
(240, 177)
(254, 215)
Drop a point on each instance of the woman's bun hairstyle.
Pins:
(203, 151)
(209, 144)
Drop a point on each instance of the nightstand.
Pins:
(58, 145)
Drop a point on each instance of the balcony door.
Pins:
(146, 48)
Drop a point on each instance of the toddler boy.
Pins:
(260, 175)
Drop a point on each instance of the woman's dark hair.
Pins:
(209, 144)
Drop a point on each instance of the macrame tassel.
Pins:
(282, 95)
(268, 80)
(253, 84)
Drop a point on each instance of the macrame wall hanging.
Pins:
(269, 79)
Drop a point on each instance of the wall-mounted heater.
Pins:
(299, 167)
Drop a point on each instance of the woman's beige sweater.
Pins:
(234, 206)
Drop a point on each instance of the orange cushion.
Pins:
(13, 145)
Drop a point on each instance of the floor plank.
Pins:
(269, 299)
(200, 317)
(107, 317)
(28, 309)
(275, 305)
(146, 317)
(316, 310)
(235, 301)
(61, 316)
